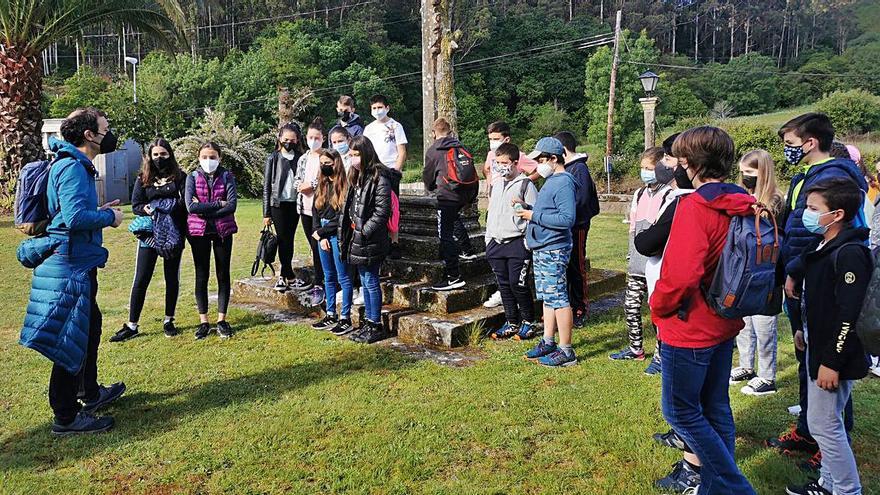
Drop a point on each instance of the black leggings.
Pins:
(201, 251)
(308, 229)
(145, 263)
(285, 218)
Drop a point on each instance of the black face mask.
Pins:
(163, 164)
(344, 115)
(288, 146)
(327, 170)
(682, 181)
(663, 173)
(750, 182)
(109, 143)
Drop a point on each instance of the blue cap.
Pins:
(547, 145)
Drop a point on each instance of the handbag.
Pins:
(267, 248)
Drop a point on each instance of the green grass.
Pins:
(284, 409)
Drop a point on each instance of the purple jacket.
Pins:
(209, 193)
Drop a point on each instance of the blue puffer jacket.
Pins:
(797, 237)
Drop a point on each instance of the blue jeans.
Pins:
(335, 278)
(372, 292)
(696, 404)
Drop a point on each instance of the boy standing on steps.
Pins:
(505, 243)
(836, 267)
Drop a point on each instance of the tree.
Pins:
(29, 28)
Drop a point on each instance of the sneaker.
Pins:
(739, 374)
(875, 366)
(281, 285)
(681, 479)
(224, 330)
(395, 251)
(526, 331)
(342, 327)
(813, 464)
(541, 350)
(124, 333)
(106, 395)
(84, 423)
(468, 256)
(758, 386)
(325, 323)
(558, 358)
(791, 442)
(299, 284)
(654, 367)
(506, 331)
(358, 298)
(628, 355)
(580, 319)
(494, 300)
(373, 332)
(203, 331)
(448, 284)
(811, 488)
(794, 410)
(672, 440)
(169, 329)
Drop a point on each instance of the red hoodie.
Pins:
(699, 233)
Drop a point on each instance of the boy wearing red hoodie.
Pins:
(697, 343)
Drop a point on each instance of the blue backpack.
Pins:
(31, 201)
(745, 279)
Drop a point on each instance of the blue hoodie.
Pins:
(554, 214)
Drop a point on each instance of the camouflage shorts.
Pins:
(551, 285)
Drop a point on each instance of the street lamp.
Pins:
(133, 61)
(649, 105)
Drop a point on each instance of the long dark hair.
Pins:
(331, 189)
(149, 171)
(370, 164)
(293, 127)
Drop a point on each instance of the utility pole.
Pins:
(615, 63)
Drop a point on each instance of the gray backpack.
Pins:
(868, 324)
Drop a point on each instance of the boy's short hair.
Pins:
(500, 127)
(839, 193)
(568, 140)
(379, 99)
(442, 126)
(652, 155)
(667, 144)
(811, 125)
(509, 150)
(79, 121)
(708, 150)
(346, 101)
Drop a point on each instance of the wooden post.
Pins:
(284, 111)
(438, 82)
(615, 62)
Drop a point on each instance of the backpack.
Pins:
(460, 170)
(394, 219)
(868, 324)
(167, 239)
(267, 248)
(744, 282)
(31, 200)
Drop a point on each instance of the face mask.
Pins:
(356, 162)
(794, 154)
(648, 177)
(494, 144)
(811, 221)
(344, 115)
(327, 170)
(108, 144)
(380, 114)
(545, 169)
(750, 182)
(342, 148)
(663, 173)
(163, 164)
(314, 144)
(682, 181)
(502, 170)
(209, 165)
(288, 146)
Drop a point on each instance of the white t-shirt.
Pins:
(385, 137)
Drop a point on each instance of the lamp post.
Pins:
(649, 105)
(133, 61)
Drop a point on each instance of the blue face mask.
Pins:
(342, 148)
(649, 177)
(811, 221)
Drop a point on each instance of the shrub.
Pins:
(855, 111)
(748, 137)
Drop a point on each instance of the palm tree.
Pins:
(27, 27)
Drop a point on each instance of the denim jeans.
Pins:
(696, 404)
(372, 292)
(759, 335)
(825, 416)
(335, 278)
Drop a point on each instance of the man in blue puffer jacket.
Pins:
(807, 140)
(63, 321)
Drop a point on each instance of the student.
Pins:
(329, 200)
(587, 208)
(549, 237)
(160, 178)
(505, 243)
(875, 218)
(363, 233)
(307, 170)
(759, 334)
(453, 242)
(348, 118)
(280, 199)
(807, 140)
(211, 198)
(644, 210)
(389, 140)
(72, 248)
(340, 140)
(697, 347)
(836, 268)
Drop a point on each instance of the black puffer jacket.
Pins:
(275, 174)
(363, 223)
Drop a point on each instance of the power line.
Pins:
(767, 72)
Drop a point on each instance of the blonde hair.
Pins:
(766, 191)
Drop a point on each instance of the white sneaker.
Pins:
(795, 410)
(494, 300)
(359, 297)
(875, 366)
(758, 386)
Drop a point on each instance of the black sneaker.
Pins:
(343, 327)
(224, 330)
(84, 423)
(758, 386)
(124, 334)
(374, 333)
(739, 375)
(811, 488)
(448, 284)
(580, 319)
(299, 285)
(106, 395)
(792, 442)
(281, 285)
(325, 323)
(203, 331)
(468, 256)
(681, 479)
(672, 440)
(395, 251)
(169, 329)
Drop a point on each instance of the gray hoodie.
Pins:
(502, 224)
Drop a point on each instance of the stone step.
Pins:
(257, 290)
(423, 247)
(449, 330)
(473, 294)
(404, 270)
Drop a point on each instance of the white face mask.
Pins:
(314, 144)
(545, 170)
(494, 144)
(380, 114)
(502, 170)
(209, 165)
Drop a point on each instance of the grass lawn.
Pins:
(285, 409)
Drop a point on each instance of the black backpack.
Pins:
(267, 248)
